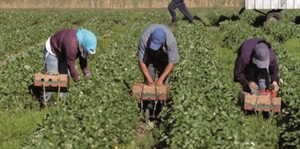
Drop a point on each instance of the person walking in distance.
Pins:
(182, 8)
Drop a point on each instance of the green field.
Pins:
(99, 111)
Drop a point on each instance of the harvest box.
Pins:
(145, 92)
(51, 83)
(259, 102)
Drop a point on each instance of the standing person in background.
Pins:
(255, 63)
(63, 48)
(182, 8)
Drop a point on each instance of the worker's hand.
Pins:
(87, 74)
(252, 85)
(76, 79)
(159, 82)
(275, 86)
(262, 85)
(150, 83)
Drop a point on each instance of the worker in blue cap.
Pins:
(157, 52)
(63, 48)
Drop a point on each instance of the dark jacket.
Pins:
(245, 70)
(65, 46)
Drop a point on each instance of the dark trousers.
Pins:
(182, 8)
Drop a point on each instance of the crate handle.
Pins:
(44, 88)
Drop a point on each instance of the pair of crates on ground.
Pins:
(60, 82)
(251, 102)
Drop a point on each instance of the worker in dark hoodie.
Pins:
(256, 66)
(63, 48)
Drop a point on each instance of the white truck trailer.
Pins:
(274, 6)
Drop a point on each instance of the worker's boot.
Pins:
(173, 23)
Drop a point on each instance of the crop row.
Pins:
(277, 33)
(99, 112)
(203, 111)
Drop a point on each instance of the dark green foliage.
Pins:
(216, 16)
(99, 111)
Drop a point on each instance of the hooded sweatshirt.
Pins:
(65, 45)
(245, 69)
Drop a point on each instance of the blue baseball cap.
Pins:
(158, 37)
(87, 40)
(261, 55)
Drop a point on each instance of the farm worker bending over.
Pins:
(63, 48)
(255, 63)
(157, 51)
(182, 7)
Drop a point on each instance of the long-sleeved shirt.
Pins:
(65, 45)
(245, 69)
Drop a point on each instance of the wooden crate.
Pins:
(52, 83)
(145, 92)
(259, 102)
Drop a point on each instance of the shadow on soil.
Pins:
(297, 20)
(36, 94)
(258, 21)
(151, 138)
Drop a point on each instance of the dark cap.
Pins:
(261, 55)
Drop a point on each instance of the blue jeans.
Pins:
(52, 66)
(182, 8)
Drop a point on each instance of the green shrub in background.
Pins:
(216, 16)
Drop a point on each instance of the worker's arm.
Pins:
(145, 72)
(238, 71)
(273, 67)
(142, 58)
(274, 70)
(166, 72)
(173, 58)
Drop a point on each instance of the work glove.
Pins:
(87, 74)
(262, 85)
(252, 85)
(275, 86)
